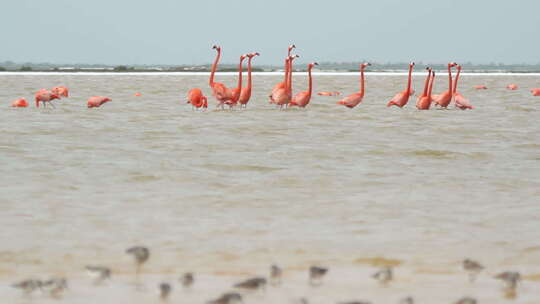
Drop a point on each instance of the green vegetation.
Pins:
(25, 69)
(2, 68)
(123, 68)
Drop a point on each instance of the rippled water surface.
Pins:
(227, 193)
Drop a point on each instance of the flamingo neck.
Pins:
(290, 77)
(426, 84)
(410, 79)
(286, 70)
(249, 74)
(456, 80)
(310, 86)
(214, 67)
(431, 84)
(449, 79)
(362, 81)
(240, 76)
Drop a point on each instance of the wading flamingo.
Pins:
(281, 85)
(60, 91)
(424, 101)
(97, 101)
(480, 87)
(461, 102)
(402, 98)
(302, 99)
(235, 92)
(512, 87)
(45, 96)
(245, 95)
(219, 90)
(353, 100)
(445, 97)
(282, 97)
(197, 99)
(20, 103)
(535, 92)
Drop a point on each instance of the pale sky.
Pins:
(182, 32)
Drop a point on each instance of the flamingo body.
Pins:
(512, 87)
(97, 101)
(535, 92)
(20, 103)
(44, 95)
(197, 99)
(60, 91)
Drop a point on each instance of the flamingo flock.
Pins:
(282, 92)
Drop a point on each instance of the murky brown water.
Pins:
(227, 193)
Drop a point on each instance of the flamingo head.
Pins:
(311, 65)
(251, 55)
(365, 64)
(452, 64)
(244, 56)
(458, 67)
(293, 57)
(292, 46)
(106, 99)
(216, 47)
(411, 64)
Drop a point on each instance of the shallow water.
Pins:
(227, 193)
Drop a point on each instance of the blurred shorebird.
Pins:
(473, 268)
(466, 300)
(510, 278)
(28, 286)
(99, 273)
(228, 298)
(55, 286)
(355, 302)
(407, 300)
(316, 274)
(384, 275)
(187, 279)
(275, 275)
(164, 291)
(141, 255)
(252, 284)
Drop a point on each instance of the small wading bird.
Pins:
(245, 95)
(384, 275)
(316, 274)
(461, 102)
(510, 279)
(45, 96)
(197, 99)
(275, 275)
(512, 87)
(227, 298)
(99, 273)
(97, 101)
(302, 99)
(424, 101)
(445, 97)
(235, 92)
(19, 103)
(187, 279)
(54, 286)
(164, 291)
(466, 300)
(60, 91)
(401, 99)
(140, 255)
(473, 268)
(355, 302)
(28, 286)
(407, 300)
(353, 100)
(281, 85)
(252, 284)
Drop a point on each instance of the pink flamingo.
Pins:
(197, 99)
(461, 102)
(445, 97)
(235, 92)
(353, 100)
(281, 85)
(219, 90)
(20, 103)
(45, 96)
(60, 91)
(245, 95)
(97, 101)
(282, 97)
(424, 101)
(302, 98)
(535, 92)
(480, 87)
(512, 87)
(402, 98)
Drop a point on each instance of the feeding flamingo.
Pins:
(512, 87)
(197, 99)
(45, 96)
(353, 100)
(445, 97)
(480, 87)
(245, 95)
(219, 90)
(60, 91)
(302, 98)
(97, 101)
(535, 92)
(327, 93)
(461, 102)
(281, 85)
(424, 101)
(235, 92)
(20, 103)
(401, 99)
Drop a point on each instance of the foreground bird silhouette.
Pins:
(445, 97)
(245, 95)
(353, 100)
(45, 96)
(461, 102)
(402, 98)
(302, 99)
(97, 101)
(197, 99)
